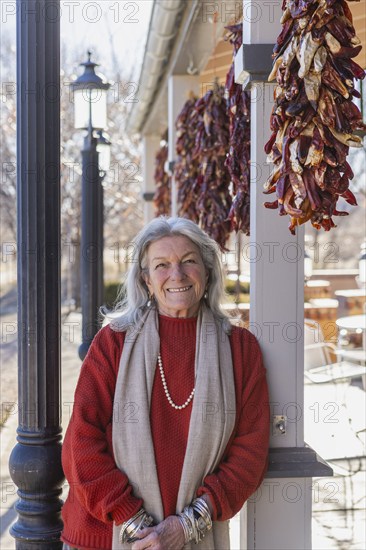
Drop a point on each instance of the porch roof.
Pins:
(177, 42)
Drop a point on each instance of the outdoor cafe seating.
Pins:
(323, 361)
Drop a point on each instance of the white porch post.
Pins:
(179, 87)
(151, 144)
(279, 513)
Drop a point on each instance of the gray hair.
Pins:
(133, 296)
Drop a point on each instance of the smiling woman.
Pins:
(175, 276)
(168, 452)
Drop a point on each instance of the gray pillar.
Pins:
(35, 462)
(91, 244)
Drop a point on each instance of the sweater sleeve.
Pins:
(87, 453)
(245, 461)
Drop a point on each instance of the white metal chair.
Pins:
(319, 364)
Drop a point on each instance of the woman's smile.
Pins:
(184, 289)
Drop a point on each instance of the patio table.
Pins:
(355, 323)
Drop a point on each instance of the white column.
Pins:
(261, 21)
(179, 87)
(276, 284)
(151, 144)
(279, 513)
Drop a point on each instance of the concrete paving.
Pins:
(334, 427)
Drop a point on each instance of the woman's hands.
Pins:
(167, 535)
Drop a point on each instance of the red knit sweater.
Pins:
(100, 493)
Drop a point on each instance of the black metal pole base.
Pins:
(36, 470)
(51, 537)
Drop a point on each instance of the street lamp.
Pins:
(90, 108)
(90, 98)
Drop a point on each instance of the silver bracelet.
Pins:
(195, 520)
(203, 521)
(186, 528)
(130, 527)
(201, 506)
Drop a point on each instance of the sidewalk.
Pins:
(334, 427)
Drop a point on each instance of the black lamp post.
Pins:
(90, 99)
(35, 462)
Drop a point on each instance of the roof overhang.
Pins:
(191, 46)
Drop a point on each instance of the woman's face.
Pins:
(176, 276)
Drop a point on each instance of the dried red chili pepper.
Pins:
(313, 118)
(202, 179)
(215, 199)
(186, 170)
(238, 158)
(162, 196)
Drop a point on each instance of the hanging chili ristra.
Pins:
(186, 170)
(238, 159)
(212, 143)
(314, 116)
(202, 178)
(162, 196)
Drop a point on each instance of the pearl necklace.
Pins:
(165, 386)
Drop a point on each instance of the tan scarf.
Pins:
(211, 424)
